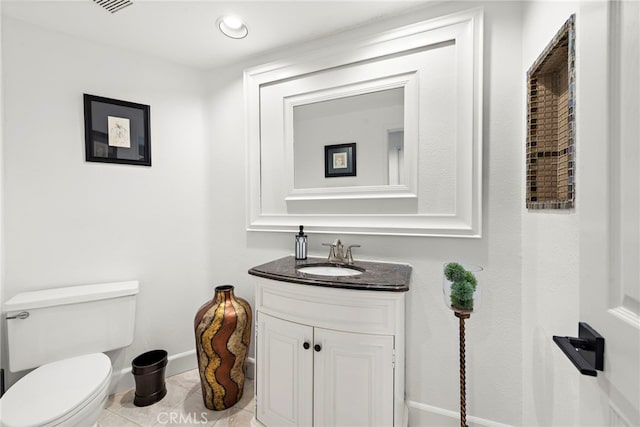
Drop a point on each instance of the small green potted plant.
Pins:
(460, 286)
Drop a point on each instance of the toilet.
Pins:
(62, 333)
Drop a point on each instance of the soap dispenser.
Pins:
(301, 244)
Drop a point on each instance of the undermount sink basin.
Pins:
(330, 270)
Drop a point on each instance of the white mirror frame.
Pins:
(465, 30)
(407, 189)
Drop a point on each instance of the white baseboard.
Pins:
(251, 368)
(421, 414)
(182, 362)
(121, 380)
(177, 363)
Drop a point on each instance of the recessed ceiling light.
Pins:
(232, 26)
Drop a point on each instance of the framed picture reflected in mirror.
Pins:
(340, 160)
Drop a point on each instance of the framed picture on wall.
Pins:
(340, 160)
(116, 131)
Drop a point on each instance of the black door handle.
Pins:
(586, 351)
(306, 346)
(317, 347)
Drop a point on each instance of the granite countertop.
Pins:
(377, 276)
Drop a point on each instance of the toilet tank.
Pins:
(53, 324)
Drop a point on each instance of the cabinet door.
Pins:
(284, 372)
(353, 379)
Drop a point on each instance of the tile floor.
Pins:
(182, 406)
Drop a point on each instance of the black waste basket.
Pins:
(148, 372)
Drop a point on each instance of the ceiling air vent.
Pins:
(113, 5)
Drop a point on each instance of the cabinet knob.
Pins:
(317, 347)
(306, 346)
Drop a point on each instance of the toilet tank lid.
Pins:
(70, 295)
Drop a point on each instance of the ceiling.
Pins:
(185, 32)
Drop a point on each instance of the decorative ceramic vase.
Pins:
(223, 333)
(460, 286)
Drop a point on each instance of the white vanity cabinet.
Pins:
(327, 356)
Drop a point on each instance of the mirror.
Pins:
(381, 135)
(374, 121)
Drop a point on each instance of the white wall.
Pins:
(71, 222)
(184, 218)
(550, 265)
(494, 352)
(1, 193)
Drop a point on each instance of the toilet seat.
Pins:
(54, 392)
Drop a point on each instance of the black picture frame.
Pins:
(340, 160)
(116, 131)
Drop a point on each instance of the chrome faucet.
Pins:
(349, 255)
(336, 252)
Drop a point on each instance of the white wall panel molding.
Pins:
(438, 63)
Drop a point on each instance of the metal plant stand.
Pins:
(461, 295)
(462, 316)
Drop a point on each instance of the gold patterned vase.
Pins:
(223, 333)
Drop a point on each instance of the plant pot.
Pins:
(223, 333)
(462, 295)
(148, 372)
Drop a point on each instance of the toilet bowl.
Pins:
(62, 333)
(69, 392)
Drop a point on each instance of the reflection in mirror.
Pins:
(374, 121)
(396, 155)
